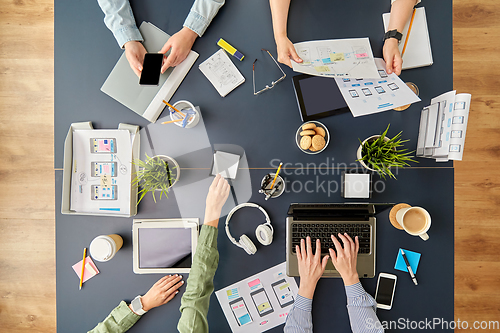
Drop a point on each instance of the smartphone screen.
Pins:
(103, 145)
(151, 69)
(283, 292)
(240, 311)
(99, 192)
(385, 290)
(103, 168)
(261, 302)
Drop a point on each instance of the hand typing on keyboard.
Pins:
(311, 266)
(346, 257)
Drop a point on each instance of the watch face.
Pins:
(136, 304)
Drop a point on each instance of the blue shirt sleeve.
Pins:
(299, 319)
(201, 14)
(119, 18)
(361, 308)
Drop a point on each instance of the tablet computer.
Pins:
(164, 246)
(318, 97)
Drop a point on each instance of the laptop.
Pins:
(323, 220)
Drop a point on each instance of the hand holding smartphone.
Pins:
(151, 69)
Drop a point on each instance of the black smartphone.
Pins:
(151, 69)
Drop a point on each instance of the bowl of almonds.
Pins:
(312, 137)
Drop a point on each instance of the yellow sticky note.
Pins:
(322, 69)
(105, 180)
(337, 57)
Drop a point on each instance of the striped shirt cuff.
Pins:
(355, 290)
(303, 303)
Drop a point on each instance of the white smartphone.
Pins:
(386, 285)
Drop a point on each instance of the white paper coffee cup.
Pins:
(103, 248)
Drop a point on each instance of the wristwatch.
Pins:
(393, 34)
(137, 306)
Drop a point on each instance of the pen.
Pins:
(83, 267)
(414, 279)
(408, 33)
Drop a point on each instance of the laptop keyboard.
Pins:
(323, 232)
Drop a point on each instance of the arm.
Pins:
(201, 14)
(200, 286)
(311, 267)
(286, 50)
(360, 306)
(401, 11)
(122, 318)
(119, 18)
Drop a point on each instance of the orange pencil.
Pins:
(168, 104)
(83, 266)
(172, 121)
(276, 176)
(408, 33)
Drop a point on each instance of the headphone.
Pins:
(264, 232)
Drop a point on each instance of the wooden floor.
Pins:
(27, 235)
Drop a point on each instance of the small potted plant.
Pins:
(157, 173)
(379, 153)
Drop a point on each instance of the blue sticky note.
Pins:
(413, 259)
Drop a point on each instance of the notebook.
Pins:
(147, 101)
(418, 51)
(221, 72)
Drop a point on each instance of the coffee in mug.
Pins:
(104, 248)
(415, 221)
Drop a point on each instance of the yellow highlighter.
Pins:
(230, 49)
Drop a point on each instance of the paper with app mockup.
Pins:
(259, 302)
(352, 58)
(369, 96)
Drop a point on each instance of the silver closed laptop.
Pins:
(320, 221)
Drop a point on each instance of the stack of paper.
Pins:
(442, 127)
(221, 72)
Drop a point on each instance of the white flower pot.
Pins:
(360, 149)
(176, 173)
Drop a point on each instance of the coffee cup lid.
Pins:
(101, 248)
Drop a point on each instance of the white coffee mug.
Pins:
(422, 232)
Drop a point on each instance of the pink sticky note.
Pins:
(86, 273)
(253, 283)
(362, 55)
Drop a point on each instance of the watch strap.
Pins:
(393, 34)
(137, 306)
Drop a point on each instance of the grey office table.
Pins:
(85, 52)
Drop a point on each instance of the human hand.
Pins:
(217, 196)
(135, 51)
(345, 259)
(311, 267)
(180, 43)
(286, 50)
(162, 292)
(392, 57)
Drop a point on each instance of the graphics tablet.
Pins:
(318, 97)
(164, 246)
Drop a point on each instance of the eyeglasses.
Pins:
(272, 83)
